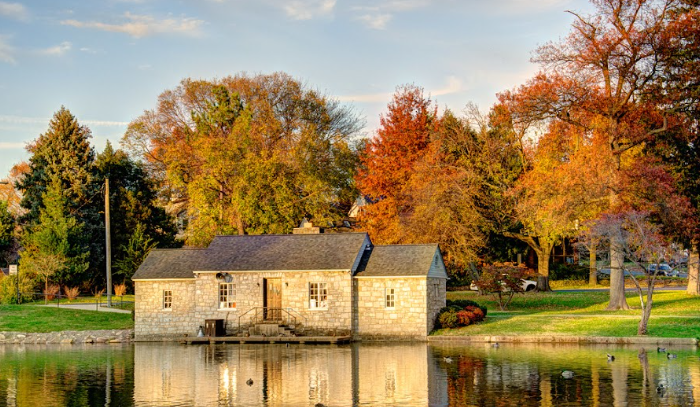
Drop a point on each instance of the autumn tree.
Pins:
(388, 161)
(643, 244)
(679, 89)
(596, 78)
(248, 154)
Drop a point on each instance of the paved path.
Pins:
(88, 307)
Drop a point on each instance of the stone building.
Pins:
(306, 283)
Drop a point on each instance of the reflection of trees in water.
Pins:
(480, 377)
(55, 377)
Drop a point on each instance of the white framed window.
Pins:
(318, 296)
(390, 296)
(227, 295)
(167, 299)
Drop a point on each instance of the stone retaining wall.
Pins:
(68, 337)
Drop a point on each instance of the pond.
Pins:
(388, 374)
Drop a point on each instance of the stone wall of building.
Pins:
(408, 318)
(334, 320)
(437, 291)
(198, 300)
(152, 322)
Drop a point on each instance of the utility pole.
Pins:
(108, 245)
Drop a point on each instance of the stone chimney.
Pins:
(306, 228)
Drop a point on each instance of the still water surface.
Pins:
(148, 375)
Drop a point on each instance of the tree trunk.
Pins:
(693, 270)
(644, 322)
(543, 266)
(618, 301)
(592, 267)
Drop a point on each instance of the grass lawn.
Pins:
(674, 315)
(30, 318)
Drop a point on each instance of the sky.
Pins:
(108, 60)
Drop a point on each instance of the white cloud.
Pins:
(14, 10)
(45, 121)
(379, 13)
(308, 9)
(139, 26)
(57, 50)
(6, 51)
(376, 21)
(11, 146)
(453, 85)
(88, 50)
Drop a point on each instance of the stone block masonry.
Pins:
(68, 337)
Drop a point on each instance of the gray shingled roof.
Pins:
(397, 260)
(332, 251)
(170, 263)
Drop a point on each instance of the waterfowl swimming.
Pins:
(660, 389)
(567, 374)
(661, 350)
(671, 355)
(447, 359)
(495, 345)
(611, 358)
(249, 382)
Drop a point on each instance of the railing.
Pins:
(283, 316)
(59, 299)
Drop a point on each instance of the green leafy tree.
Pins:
(133, 206)
(133, 254)
(7, 233)
(63, 153)
(58, 237)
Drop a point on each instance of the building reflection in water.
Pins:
(295, 375)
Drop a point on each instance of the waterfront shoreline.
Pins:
(68, 337)
(584, 340)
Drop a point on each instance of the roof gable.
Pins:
(170, 263)
(400, 261)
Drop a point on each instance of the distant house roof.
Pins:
(334, 251)
(170, 263)
(398, 260)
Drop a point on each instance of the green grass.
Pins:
(29, 318)
(675, 314)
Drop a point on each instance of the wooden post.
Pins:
(108, 246)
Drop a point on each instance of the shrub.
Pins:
(51, 291)
(71, 292)
(120, 289)
(8, 289)
(463, 304)
(463, 318)
(448, 319)
(97, 292)
(477, 312)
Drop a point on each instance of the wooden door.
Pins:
(273, 298)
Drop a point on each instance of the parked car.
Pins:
(664, 269)
(527, 285)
